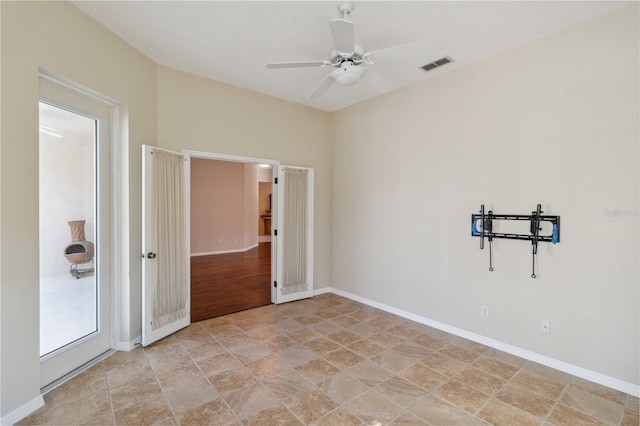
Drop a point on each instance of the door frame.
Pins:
(119, 204)
(274, 202)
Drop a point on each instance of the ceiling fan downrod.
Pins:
(345, 8)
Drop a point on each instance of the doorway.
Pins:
(75, 229)
(231, 253)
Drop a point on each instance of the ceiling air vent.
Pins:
(436, 64)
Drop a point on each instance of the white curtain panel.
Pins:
(170, 296)
(295, 230)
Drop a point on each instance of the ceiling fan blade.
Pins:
(412, 50)
(342, 31)
(378, 82)
(322, 87)
(304, 64)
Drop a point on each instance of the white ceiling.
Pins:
(232, 41)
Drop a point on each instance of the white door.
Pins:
(75, 186)
(165, 242)
(294, 238)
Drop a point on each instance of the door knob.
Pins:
(151, 255)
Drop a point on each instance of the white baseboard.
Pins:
(21, 412)
(323, 290)
(240, 250)
(574, 370)
(129, 346)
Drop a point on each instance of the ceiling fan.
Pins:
(346, 57)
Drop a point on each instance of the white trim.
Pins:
(21, 412)
(611, 382)
(322, 290)
(240, 250)
(129, 346)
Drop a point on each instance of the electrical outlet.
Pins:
(484, 311)
(545, 326)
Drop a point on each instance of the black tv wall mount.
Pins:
(482, 226)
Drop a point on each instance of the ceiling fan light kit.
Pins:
(347, 75)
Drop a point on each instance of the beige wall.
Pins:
(552, 122)
(59, 38)
(223, 205)
(204, 115)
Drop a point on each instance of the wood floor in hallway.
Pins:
(225, 283)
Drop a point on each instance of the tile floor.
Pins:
(326, 361)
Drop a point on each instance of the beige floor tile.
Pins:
(633, 403)
(181, 376)
(327, 361)
(567, 416)
(86, 383)
(592, 405)
(599, 390)
(214, 412)
(369, 373)
(344, 321)
(267, 366)
(545, 386)
(401, 391)
(237, 340)
(403, 332)
(232, 380)
(630, 418)
(250, 400)
(364, 329)
(337, 417)
(263, 333)
(495, 367)
(342, 387)
(136, 392)
(219, 364)
(408, 419)
(83, 410)
(194, 338)
(343, 358)
(459, 353)
(548, 372)
(310, 405)
(373, 407)
(423, 376)
(512, 360)
(435, 411)
(288, 382)
(525, 399)
(147, 412)
(429, 342)
(413, 350)
(325, 327)
(344, 337)
(322, 345)
(276, 416)
(499, 413)
(480, 380)
(304, 335)
(120, 374)
(443, 364)
(462, 396)
(296, 355)
(194, 394)
(250, 352)
(317, 370)
(393, 360)
(366, 348)
(205, 351)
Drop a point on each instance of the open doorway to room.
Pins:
(231, 256)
